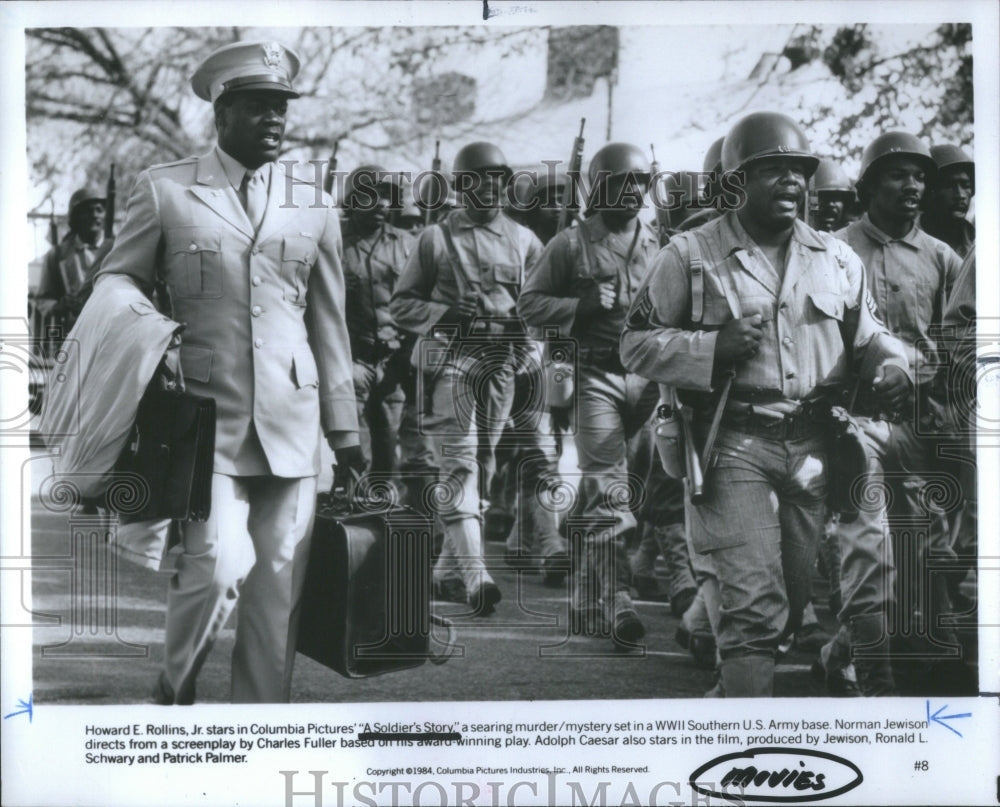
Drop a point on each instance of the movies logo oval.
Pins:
(776, 775)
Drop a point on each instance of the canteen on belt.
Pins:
(558, 384)
(667, 436)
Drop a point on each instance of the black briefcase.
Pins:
(366, 605)
(171, 448)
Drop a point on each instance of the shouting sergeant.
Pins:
(949, 196)
(910, 275)
(760, 298)
(584, 284)
(253, 267)
(458, 290)
(374, 255)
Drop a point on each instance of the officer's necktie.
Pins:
(253, 195)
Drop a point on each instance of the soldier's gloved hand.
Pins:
(462, 311)
(739, 339)
(350, 458)
(597, 297)
(892, 388)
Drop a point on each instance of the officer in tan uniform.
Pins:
(251, 258)
(759, 295)
(583, 285)
(458, 291)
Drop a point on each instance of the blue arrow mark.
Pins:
(942, 718)
(25, 707)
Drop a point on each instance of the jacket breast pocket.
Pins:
(194, 262)
(826, 305)
(501, 283)
(298, 254)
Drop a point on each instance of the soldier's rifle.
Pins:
(53, 226)
(331, 168)
(572, 177)
(435, 169)
(662, 230)
(110, 192)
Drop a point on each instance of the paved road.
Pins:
(106, 646)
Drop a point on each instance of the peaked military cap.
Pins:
(247, 66)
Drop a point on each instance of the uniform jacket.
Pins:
(494, 257)
(803, 316)
(372, 266)
(265, 333)
(572, 262)
(910, 279)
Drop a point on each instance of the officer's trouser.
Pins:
(417, 468)
(536, 525)
(252, 551)
(612, 409)
(760, 525)
(469, 407)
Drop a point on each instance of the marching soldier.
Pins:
(711, 193)
(68, 268)
(834, 193)
(949, 195)
(910, 275)
(585, 281)
(374, 255)
(759, 304)
(458, 291)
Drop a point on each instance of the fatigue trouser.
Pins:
(251, 554)
(663, 514)
(379, 399)
(469, 407)
(417, 466)
(760, 527)
(866, 565)
(921, 541)
(612, 409)
(536, 527)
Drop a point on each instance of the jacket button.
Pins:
(789, 375)
(787, 340)
(193, 247)
(256, 280)
(256, 310)
(258, 342)
(895, 287)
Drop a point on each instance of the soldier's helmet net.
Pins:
(86, 194)
(766, 134)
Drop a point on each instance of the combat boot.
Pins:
(748, 677)
(870, 649)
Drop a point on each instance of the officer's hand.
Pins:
(462, 311)
(350, 458)
(608, 296)
(892, 388)
(739, 339)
